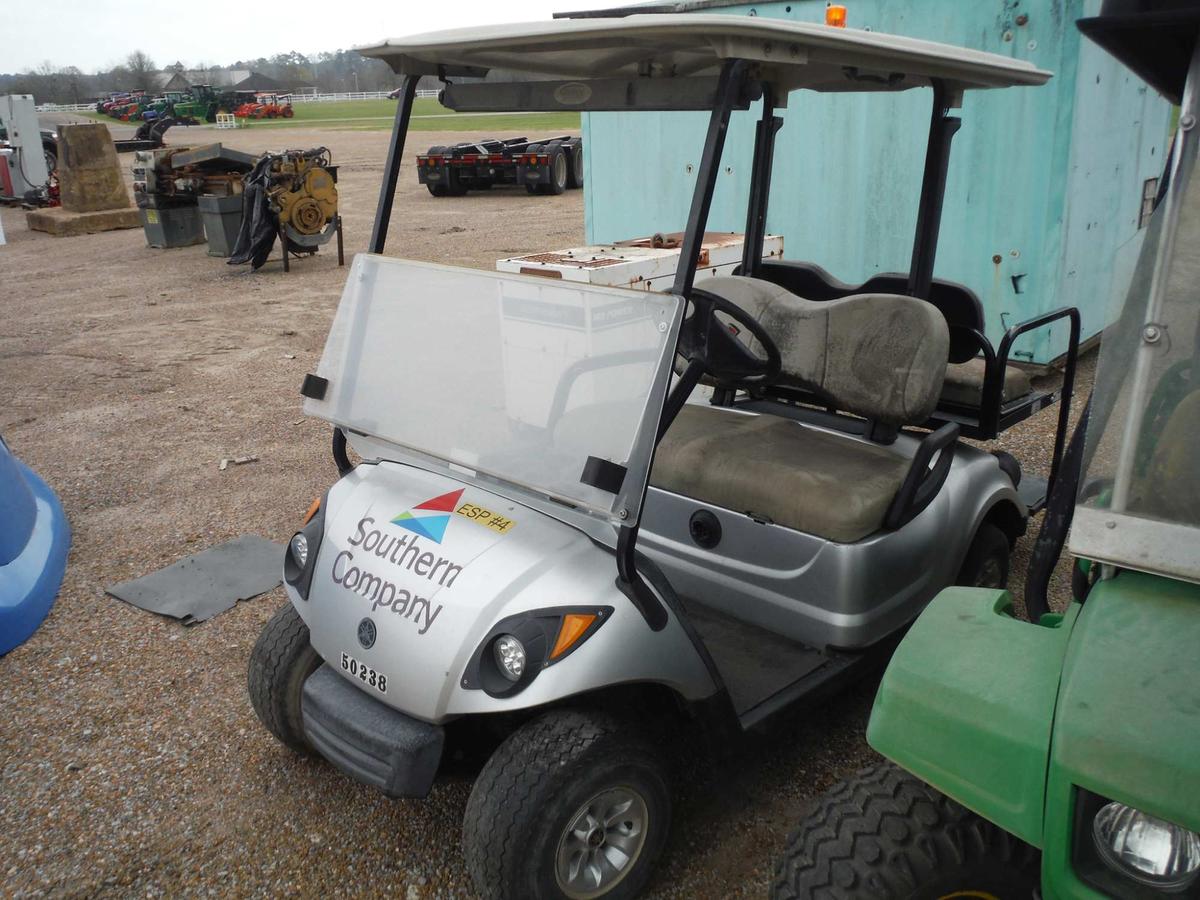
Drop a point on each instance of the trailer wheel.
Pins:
(559, 170)
(454, 184)
(438, 190)
(885, 834)
(572, 804)
(280, 663)
(575, 176)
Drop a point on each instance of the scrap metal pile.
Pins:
(293, 196)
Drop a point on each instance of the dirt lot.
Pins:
(130, 759)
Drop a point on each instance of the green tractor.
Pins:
(1060, 757)
(202, 106)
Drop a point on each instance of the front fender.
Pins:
(967, 704)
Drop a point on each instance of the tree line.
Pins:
(329, 72)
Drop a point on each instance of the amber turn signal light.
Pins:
(574, 626)
(312, 511)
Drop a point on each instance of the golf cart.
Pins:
(1059, 757)
(547, 539)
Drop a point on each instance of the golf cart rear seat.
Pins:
(982, 393)
(880, 356)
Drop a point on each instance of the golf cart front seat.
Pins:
(880, 356)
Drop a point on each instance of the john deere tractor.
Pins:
(1060, 757)
(202, 106)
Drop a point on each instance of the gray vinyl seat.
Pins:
(880, 356)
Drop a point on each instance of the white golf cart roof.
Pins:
(792, 55)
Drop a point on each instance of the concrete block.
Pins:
(62, 222)
(89, 174)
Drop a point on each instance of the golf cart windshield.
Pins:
(528, 386)
(1140, 500)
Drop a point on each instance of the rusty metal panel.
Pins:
(1045, 184)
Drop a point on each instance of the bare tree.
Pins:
(141, 70)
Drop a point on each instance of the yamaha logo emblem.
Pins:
(366, 633)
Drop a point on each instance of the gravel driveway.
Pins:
(131, 762)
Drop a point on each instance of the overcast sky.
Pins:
(95, 34)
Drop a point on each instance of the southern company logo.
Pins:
(429, 519)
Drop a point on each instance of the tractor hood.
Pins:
(415, 569)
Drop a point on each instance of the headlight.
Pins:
(510, 656)
(299, 548)
(1146, 849)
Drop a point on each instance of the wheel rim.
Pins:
(991, 574)
(560, 169)
(601, 843)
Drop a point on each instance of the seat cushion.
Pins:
(964, 383)
(830, 485)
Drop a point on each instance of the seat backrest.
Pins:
(880, 356)
(959, 304)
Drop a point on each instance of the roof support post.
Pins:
(942, 128)
(729, 89)
(391, 168)
(760, 184)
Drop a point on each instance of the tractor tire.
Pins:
(280, 663)
(987, 561)
(559, 169)
(561, 792)
(575, 175)
(885, 834)
(143, 132)
(288, 112)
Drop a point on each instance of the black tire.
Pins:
(575, 175)
(559, 169)
(887, 835)
(537, 782)
(438, 190)
(454, 184)
(987, 561)
(281, 661)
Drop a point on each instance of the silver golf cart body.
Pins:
(467, 514)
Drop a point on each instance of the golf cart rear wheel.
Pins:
(280, 663)
(885, 834)
(571, 805)
(987, 560)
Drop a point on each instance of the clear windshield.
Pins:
(1140, 502)
(515, 381)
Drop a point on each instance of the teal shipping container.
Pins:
(1048, 187)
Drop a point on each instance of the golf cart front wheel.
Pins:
(280, 663)
(886, 834)
(571, 805)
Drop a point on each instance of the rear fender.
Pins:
(967, 704)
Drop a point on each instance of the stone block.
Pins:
(62, 222)
(89, 174)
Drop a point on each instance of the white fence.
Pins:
(294, 98)
(65, 107)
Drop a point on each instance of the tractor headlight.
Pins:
(298, 547)
(510, 656)
(1146, 849)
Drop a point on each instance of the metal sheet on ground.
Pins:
(206, 584)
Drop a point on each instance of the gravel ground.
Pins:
(131, 762)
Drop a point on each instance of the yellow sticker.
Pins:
(485, 517)
(152, 216)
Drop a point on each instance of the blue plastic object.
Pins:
(34, 540)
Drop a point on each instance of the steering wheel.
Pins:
(706, 339)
